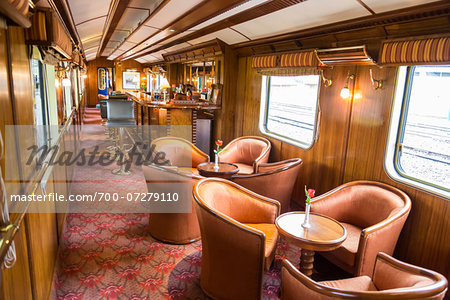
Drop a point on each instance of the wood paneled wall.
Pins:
(91, 81)
(36, 242)
(350, 147)
(124, 66)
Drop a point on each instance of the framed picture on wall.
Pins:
(131, 80)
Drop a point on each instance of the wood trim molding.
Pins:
(65, 15)
(10, 11)
(115, 13)
(200, 13)
(241, 17)
(425, 11)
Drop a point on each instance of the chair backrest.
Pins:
(246, 150)
(232, 253)
(273, 180)
(180, 152)
(403, 281)
(229, 200)
(169, 226)
(365, 203)
(120, 109)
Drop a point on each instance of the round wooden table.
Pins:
(325, 234)
(226, 170)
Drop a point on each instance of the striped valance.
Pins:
(268, 61)
(418, 51)
(16, 10)
(299, 59)
(46, 30)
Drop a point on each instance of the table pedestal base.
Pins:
(307, 262)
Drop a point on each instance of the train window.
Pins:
(419, 146)
(289, 108)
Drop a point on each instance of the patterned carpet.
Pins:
(112, 256)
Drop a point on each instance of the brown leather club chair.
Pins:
(239, 238)
(179, 151)
(373, 214)
(273, 180)
(246, 152)
(172, 228)
(391, 279)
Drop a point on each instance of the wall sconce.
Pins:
(326, 82)
(378, 84)
(345, 92)
(84, 76)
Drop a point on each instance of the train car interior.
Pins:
(224, 149)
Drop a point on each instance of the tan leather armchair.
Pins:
(273, 180)
(247, 153)
(180, 152)
(373, 214)
(239, 238)
(173, 228)
(391, 279)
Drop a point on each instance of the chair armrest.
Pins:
(263, 158)
(381, 237)
(252, 207)
(267, 210)
(295, 285)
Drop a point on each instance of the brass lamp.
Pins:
(164, 85)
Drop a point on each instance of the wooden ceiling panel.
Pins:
(112, 44)
(84, 10)
(227, 35)
(180, 35)
(145, 4)
(170, 12)
(141, 34)
(177, 47)
(119, 35)
(125, 46)
(147, 59)
(89, 43)
(91, 28)
(244, 6)
(131, 18)
(380, 6)
(301, 16)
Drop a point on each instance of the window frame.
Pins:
(396, 132)
(264, 114)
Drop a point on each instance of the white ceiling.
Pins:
(131, 39)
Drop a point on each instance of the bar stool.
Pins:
(120, 116)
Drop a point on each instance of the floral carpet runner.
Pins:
(112, 256)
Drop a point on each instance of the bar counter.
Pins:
(199, 116)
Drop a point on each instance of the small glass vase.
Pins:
(216, 162)
(306, 224)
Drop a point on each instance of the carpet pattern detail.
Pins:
(112, 256)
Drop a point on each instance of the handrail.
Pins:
(9, 231)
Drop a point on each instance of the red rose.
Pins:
(219, 142)
(311, 192)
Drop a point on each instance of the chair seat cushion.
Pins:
(360, 283)
(271, 232)
(244, 169)
(346, 253)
